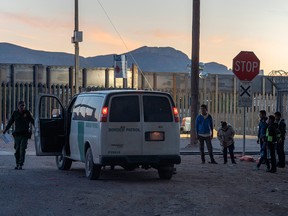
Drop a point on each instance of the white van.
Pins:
(185, 125)
(129, 128)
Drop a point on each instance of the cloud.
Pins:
(109, 39)
(35, 21)
(162, 34)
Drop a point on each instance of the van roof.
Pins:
(121, 91)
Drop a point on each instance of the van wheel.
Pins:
(92, 171)
(166, 172)
(63, 163)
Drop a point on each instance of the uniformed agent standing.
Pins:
(271, 139)
(21, 133)
(281, 139)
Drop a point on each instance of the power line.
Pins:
(128, 51)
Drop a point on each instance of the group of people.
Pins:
(271, 137)
(204, 131)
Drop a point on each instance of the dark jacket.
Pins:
(22, 123)
(282, 128)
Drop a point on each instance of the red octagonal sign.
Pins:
(246, 66)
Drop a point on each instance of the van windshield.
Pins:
(157, 109)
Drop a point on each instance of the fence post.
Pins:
(142, 81)
(174, 86)
(135, 83)
(107, 78)
(124, 82)
(48, 79)
(35, 86)
(84, 78)
(4, 91)
(235, 101)
(155, 81)
(216, 101)
(11, 89)
(71, 81)
(263, 92)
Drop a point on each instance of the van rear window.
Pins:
(124, 109)
(157, 109)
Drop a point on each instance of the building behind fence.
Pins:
(219, 92)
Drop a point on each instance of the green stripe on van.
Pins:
(81, 139)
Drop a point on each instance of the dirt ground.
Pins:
(196, 189)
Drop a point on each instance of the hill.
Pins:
(149, 59)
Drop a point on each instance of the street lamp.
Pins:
(202, 73)
(203, 76)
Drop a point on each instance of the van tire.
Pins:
(92, 171)
(63, 163)
(166, 172)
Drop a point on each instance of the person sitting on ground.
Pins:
(225, 135)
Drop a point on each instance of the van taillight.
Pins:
(104, 114)
(176, 114)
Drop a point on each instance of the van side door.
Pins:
(50, 131)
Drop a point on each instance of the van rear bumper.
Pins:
(141, 160)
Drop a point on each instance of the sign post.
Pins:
(246, 67)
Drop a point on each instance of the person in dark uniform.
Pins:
(21, 133)
(281, 139)
(271, 139)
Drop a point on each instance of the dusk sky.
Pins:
(227, 27)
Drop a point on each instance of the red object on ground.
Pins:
(247, 158)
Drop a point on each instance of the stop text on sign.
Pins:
(246, 66)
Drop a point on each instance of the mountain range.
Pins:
(149, 59)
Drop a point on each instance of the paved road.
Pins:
(196, 189)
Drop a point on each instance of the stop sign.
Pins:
(246, 66)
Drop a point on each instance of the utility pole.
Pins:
(195, 69)
(77, 37)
